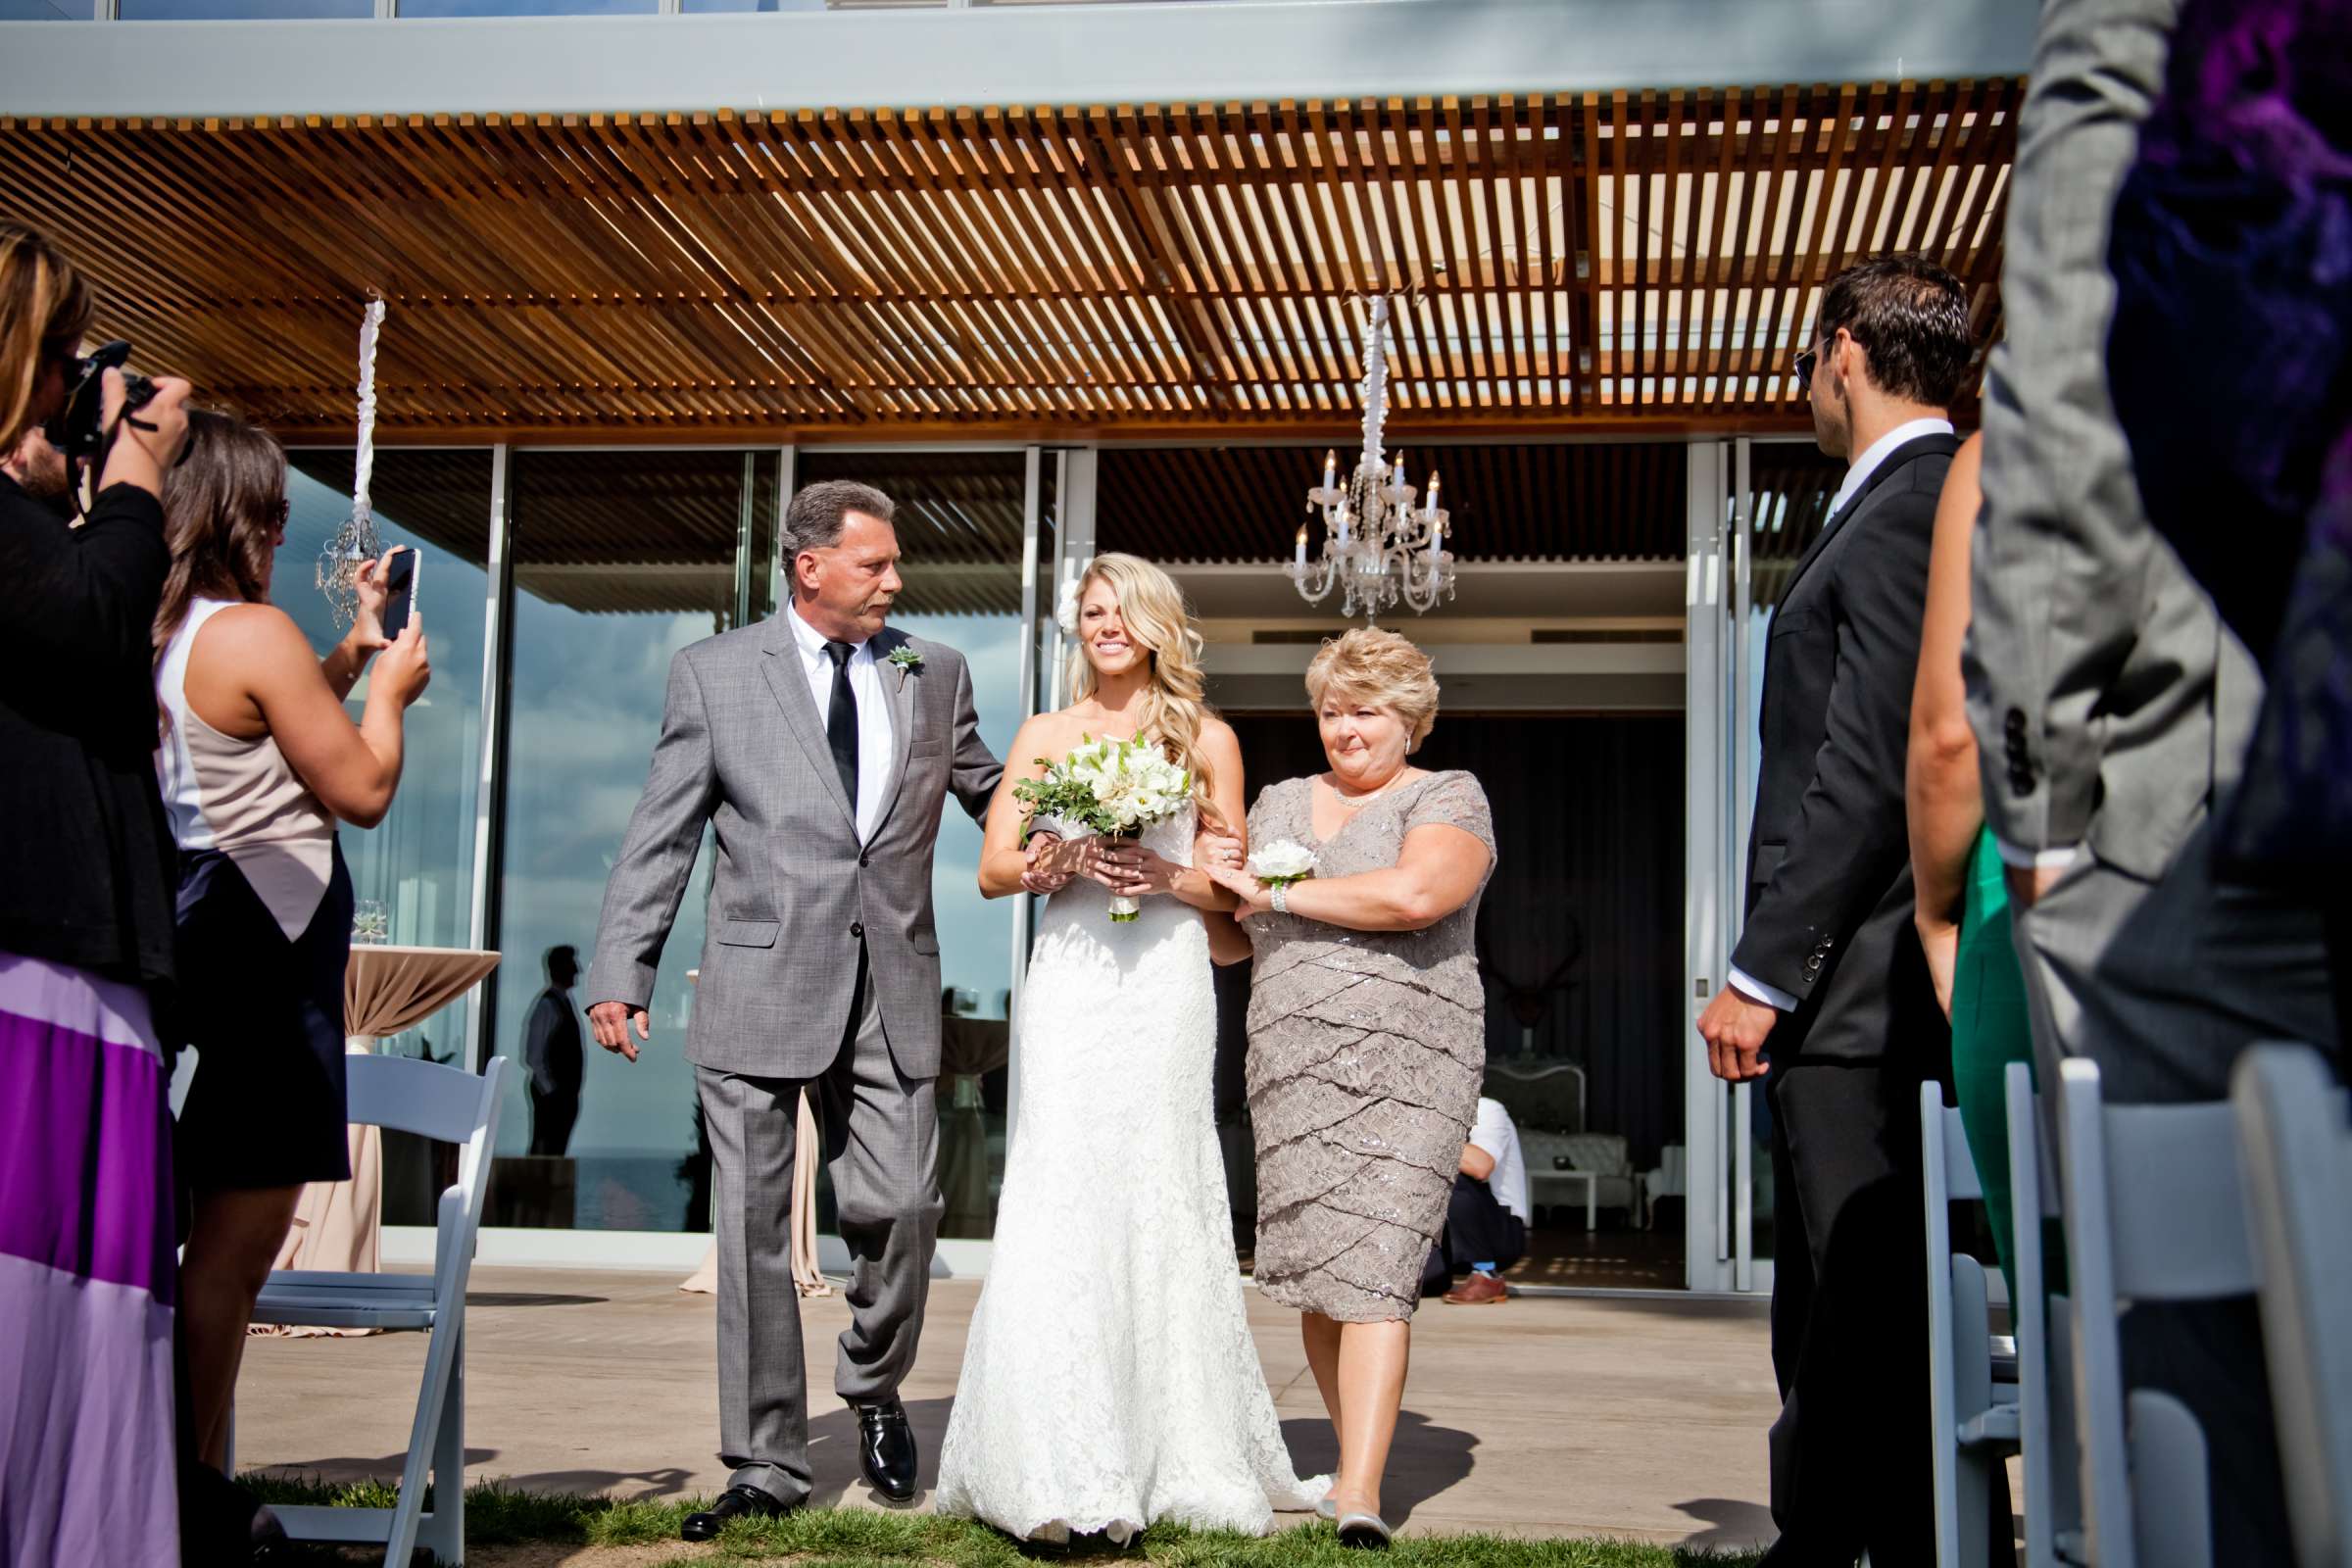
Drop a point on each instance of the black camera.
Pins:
(79, 431)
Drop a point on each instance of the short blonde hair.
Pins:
(1380, 670)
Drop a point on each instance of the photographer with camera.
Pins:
(86, 888)
(259, 761)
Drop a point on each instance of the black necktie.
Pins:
(840, 722)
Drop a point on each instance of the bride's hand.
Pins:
(1224, 861)
(1137, 872)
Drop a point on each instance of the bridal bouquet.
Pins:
(1112, 788)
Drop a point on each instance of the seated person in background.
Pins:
(1485, 1223)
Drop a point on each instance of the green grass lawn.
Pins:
(855, 1538)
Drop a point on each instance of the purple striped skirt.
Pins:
(87, 1471)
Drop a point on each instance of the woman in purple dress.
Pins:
(86, 1471)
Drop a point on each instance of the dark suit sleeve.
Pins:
(972, 769)
(87, 595)
(657, 855)
(1851, 844)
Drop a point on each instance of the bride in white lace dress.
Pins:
(1110, 1380)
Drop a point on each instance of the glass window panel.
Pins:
(959, 526)
(1790, 485)
(622, 559)
(419, 861)
(707, 7)
(241, 9)
(45, 11)
(528, 8)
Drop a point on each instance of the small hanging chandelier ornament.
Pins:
(1377, 549)
(355, 544)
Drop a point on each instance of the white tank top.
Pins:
(238, 796)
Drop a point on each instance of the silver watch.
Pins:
(1282, 903)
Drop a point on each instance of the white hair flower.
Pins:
(1065, 613)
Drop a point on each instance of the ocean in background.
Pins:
(628, 1191)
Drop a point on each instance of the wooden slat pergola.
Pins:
(1625, 262)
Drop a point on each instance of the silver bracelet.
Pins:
(1282, 903)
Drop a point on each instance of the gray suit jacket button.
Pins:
(858, 928)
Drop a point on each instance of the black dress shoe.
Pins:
(886, 1449)
(736, 1503)
(221, 1521)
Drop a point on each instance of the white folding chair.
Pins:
(2155, 1213)
(2297, 1154)
(456, 1107)
(1972, 1410)
(2051, 1502)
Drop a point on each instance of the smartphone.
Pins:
(400, 582)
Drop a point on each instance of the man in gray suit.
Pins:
(818, 745)
(2112, 711)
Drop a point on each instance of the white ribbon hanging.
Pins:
(356, 542)
(362, 469)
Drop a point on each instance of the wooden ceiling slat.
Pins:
(1604, 259)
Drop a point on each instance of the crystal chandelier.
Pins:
(1377, 547)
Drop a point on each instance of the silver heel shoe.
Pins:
(1327, 1509)
(1364, 1532)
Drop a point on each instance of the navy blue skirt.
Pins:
(265, 1016)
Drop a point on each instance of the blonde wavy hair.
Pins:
(1379, 669)
(1174, 713)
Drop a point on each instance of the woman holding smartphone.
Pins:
(259, 761)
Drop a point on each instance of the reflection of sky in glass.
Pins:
(419, 861)
(588, 692)
(975, 934)
(587, 697)
(528, 8)
(43, 10)
(242, 10)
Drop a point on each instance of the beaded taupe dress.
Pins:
(1366, 1049)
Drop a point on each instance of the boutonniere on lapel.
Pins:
(908, 662)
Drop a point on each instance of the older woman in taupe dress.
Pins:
(1367, 1035)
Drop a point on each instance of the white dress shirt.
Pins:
(874, 714)
(1857, 475)
(1494, 1132)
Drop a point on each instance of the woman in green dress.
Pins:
(1963, 897)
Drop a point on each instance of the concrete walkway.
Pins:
(1642, 1419)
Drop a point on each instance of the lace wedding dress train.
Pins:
(1110, 1380)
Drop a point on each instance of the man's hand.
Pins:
(1734, 1029)
(2027, 888)
(612, 1019)
(1041, 879)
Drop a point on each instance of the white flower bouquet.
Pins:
(1284, 862)
(1112, 788)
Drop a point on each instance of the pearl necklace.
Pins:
(1366, 799)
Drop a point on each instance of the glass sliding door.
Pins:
(419, 861)
(1711, 839)
(1756, 507)
(962, 526)
(620, 560)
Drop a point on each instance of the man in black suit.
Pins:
(1828, 974)
(552, 1050)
